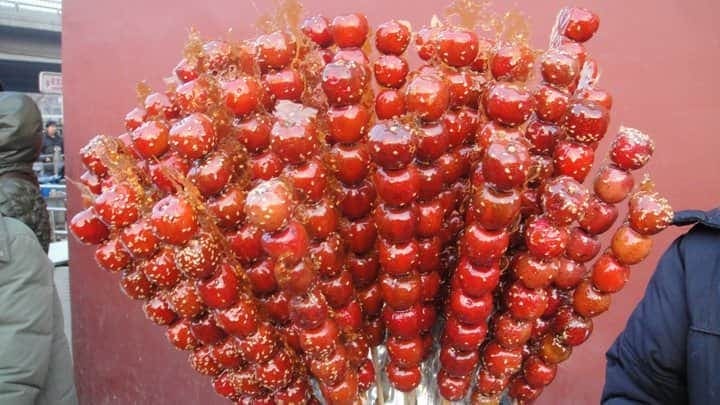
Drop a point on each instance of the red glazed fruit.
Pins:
(174, 220)
(206, 330)
(404, 379)
(481, 246)
(343, 82)
(193, 136)
(522, 391)
(397, 188)
(135, 118)
(269, 205)
(599, 217)
(112, 255)
(136, 286)
(501, 362)
(506, 164)
(477, 281)
(88, 228)
(452, 388)
(570, 273)
(391, 145)
(293, 137)
(427, 96)
(331, 369)
(537, 373)
(559, 68)
(254, 133)
(158, 105)
(317, 28)
(581, 23)
(631, 149)
(276, 372)
(630, 247)
(351, 163)
(463, 337)
(468, 310)
(533, 272)
(608, 275)
(239, 319)
(573, 159)
(349, 30)
(347, 124)
(545, 240)
(581, 246)
(595, 95)
(648, 212)
(564, 200)
(508, 104)
(185, 300)
(390, 71)
(457, 47)
(118, 205)
(221, 290)
(158, 310)
(458, 363)
(286, 84)
(613, 184)
(490, 385)
(589, 302)
(392, 37)
(192, 96)
(586, 122)
(228, 207)
(405, 353)
(180, 336)
(198, 258)
(242, 95)
(265, 166)
(163, 172)
(551, 104)
(151, 139)
(494, 209)
(289, 244)
(389, 103)
(320, 341)
(161, 269)
(212, 174)
(524, 303)
(259, 346)
(570, 327)
(512, 333)
(512, 63)
(275, 50)
(552, 350)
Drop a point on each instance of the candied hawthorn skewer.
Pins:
(571, 325)
(174, 222)
(246, 299)
(344, 85)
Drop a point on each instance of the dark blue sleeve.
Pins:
(646, 364)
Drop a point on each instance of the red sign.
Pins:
(50, 82)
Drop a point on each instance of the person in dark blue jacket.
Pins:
(669, 352)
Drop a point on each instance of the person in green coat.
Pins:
(35, 362)
(21, 138)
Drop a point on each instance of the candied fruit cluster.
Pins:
(295, 200)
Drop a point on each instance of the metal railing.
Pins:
(48, 6)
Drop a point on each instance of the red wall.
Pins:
(659, 58)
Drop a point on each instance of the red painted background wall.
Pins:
(660, 60)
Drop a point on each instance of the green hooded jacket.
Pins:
(35, 363)
(20, 142)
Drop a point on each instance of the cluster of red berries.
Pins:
(281, 215)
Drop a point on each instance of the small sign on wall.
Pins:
(50, 82)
